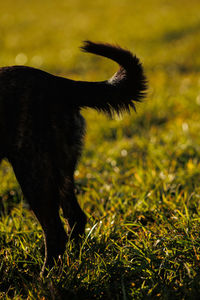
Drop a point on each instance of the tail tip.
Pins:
(86, 46)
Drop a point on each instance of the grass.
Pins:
(138, 178)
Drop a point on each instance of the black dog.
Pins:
(41, 133)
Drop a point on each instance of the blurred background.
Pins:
(47, 33)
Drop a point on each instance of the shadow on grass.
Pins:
(145, 276)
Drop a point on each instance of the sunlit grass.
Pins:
(138, 178)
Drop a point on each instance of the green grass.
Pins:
(139, 178)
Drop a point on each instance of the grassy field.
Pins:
(139, 177)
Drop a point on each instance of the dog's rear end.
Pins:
(41, 130)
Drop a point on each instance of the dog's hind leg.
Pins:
(36, 178)
(71, 208)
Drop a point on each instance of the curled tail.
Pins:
(119, 93)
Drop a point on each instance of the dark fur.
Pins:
(41, 133)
